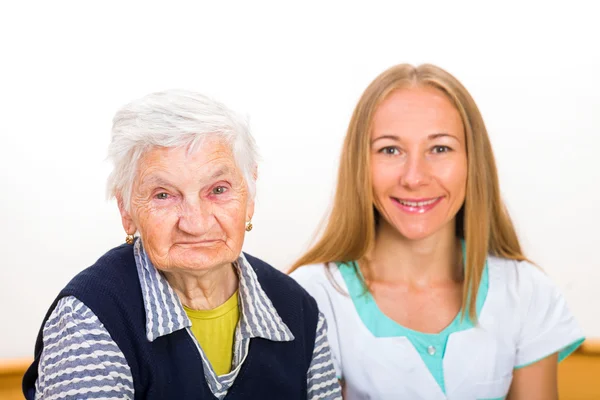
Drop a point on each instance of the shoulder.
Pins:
(310, 274)
(111, 288)
(108, 273)
(113, 261)
(322, 281)
(296, 308)
(325, 284)
(537, 310)
(72, 323)
(520, 277)
(74, 327)
(76, 347)
(69, 313)
(522, 288)
(266, 273)
(276, 283)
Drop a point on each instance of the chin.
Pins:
(415, 232)
(414, 236)
(206, 258)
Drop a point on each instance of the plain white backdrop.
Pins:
(296, 69)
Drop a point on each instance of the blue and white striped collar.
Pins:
(165, 314)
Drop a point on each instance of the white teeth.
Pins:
(417, 203)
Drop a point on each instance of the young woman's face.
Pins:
(418, 162)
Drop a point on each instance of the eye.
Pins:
(162, 196)
(219, 190)
(390, 151)
(441, 149)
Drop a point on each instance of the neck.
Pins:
(204, 290)
(435, 259)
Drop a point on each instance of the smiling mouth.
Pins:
(417, 206)
(421, 203)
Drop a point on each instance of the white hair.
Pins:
(174, 118)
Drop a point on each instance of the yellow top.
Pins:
(214, 329)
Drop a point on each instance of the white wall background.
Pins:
(297, 69)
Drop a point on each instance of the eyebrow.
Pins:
(220, 172)
(440, 135)
(155, 180)
(429, 137)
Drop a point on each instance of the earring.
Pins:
(129, 239)
(249, 226)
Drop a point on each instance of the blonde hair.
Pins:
(483, 221)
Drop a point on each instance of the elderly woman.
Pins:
(180, 312)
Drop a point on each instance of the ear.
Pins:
(249, 210)
(126, 219)
(250, 205)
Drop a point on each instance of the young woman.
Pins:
(419, 272)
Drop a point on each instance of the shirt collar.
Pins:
(165, 313)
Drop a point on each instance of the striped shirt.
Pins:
(80, 359)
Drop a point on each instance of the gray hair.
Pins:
(174, 118)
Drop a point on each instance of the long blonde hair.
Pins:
(483, 221)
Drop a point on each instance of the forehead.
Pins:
(206, 160)
(416, 109)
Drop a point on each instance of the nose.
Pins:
(415, 172)
(195, 217)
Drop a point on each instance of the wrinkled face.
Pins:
(190, 209)
(418, 162)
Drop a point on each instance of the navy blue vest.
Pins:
(170, 367)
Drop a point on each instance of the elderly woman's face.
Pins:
(190, 209)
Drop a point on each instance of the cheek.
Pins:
(156, 223)
(454, 178)
(231, 217)
(384, 176)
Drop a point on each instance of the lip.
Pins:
(199, 243)
(417, 206)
